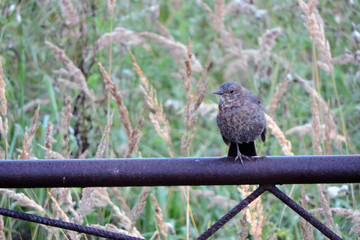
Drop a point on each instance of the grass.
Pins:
(155, 105)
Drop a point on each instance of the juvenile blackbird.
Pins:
(240, 119)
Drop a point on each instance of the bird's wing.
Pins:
(227, 141)
(263, 135)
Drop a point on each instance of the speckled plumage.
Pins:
(241, 116)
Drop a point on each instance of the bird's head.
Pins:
(229, 89)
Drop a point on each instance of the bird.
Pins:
(241, 119)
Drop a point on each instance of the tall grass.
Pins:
(135, 79)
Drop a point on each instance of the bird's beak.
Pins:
(218, 92)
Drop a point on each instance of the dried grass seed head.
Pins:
(3, 99)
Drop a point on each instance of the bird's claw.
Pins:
(242, 158)
(249, 158)
(239, 157)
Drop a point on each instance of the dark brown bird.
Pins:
(240, 119)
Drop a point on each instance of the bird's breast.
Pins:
(241, 122)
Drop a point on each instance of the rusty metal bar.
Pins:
(179, 171)
(303, 213)
(232, 213)
(66, 225)
(280, 195)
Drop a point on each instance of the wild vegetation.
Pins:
(85, 79)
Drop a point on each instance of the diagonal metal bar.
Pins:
(66, 225)
(284, 198)
(302, 212)
(232, 213)
(178, 171)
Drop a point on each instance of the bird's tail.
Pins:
(247, 149)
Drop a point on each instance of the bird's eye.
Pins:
(231, 91)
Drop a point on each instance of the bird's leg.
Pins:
(238, 155)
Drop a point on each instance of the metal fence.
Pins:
(265, 171)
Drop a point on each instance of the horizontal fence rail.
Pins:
(179, 171)
(265, 171)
